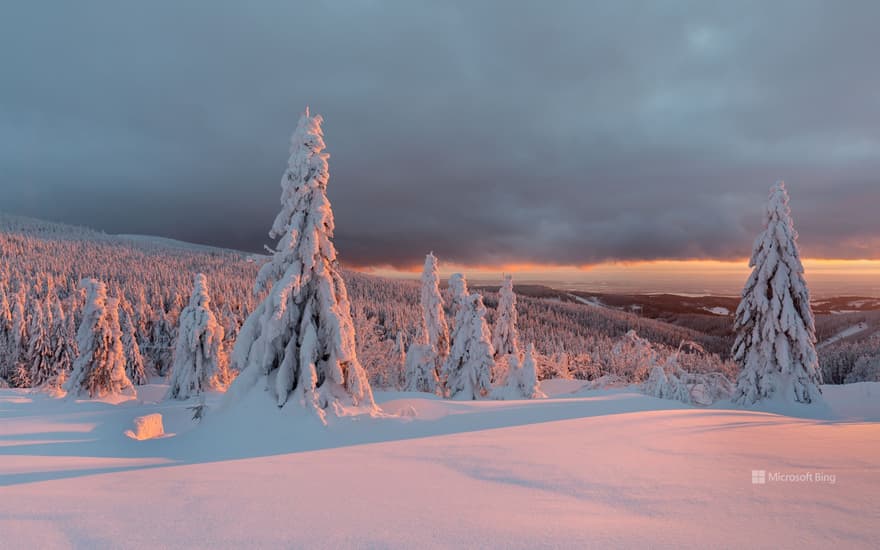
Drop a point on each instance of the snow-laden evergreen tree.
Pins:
(134, 361)
(63, 344)
(468, 369)
(159, 353)
(39, 355)
(505, 339)
(522, 377)
(775, 331)
(420, 370)
(427, 353)
(300, 339)
(634, 357)
(18, 343)
(99, 369)
(398, 362)
(458, 292)
(432, 309)
(6, 362)
(527, 375)
(197, 362)
(666, 385)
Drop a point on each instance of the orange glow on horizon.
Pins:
(825, 275)
(865, 266)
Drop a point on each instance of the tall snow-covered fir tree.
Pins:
(134, 361)
(197, 361)
(468, 368)
(39, 354)
(300, 340)
(426, 355)
(99, 369)
(18, 343)
(505, 339)
(432, 308)
(64, 343)
(775, 331)
(6, 362)
(160, 349)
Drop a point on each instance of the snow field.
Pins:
(583, 468)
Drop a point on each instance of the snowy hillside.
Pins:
(152, 276)
(580, 469)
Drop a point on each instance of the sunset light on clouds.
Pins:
(827, 277)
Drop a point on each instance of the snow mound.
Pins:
(148, 426)
(556, 387)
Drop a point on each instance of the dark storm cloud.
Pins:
(558, 132)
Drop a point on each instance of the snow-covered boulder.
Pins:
(147, 427)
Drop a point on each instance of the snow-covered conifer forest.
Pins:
(140, 362)
(42, 305)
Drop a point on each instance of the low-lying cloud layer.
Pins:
(489, 132)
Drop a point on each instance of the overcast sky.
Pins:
(489, 132)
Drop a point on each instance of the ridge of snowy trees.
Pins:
(774, 325)
(41, 264)
(155, 279)
(300, 339)
(198, 359)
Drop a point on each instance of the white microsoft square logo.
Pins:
(759, 477)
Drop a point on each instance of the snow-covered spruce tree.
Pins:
(427, 353)
(432, 309)
(161, 346)
(134, 361)
(5, 335)
(666, 385)
(18, 342)
(527, 375)
(505, 339)
(63, 344)
(522, 377)
(39, 354)
(775, 331)
(300, 340)
(398, 361)
(197, 361)
(420, 370)
(99, 369)
(468, 369)
(458, 292)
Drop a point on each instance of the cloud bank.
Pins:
(490, 132)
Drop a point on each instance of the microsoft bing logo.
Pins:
(759, 477)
